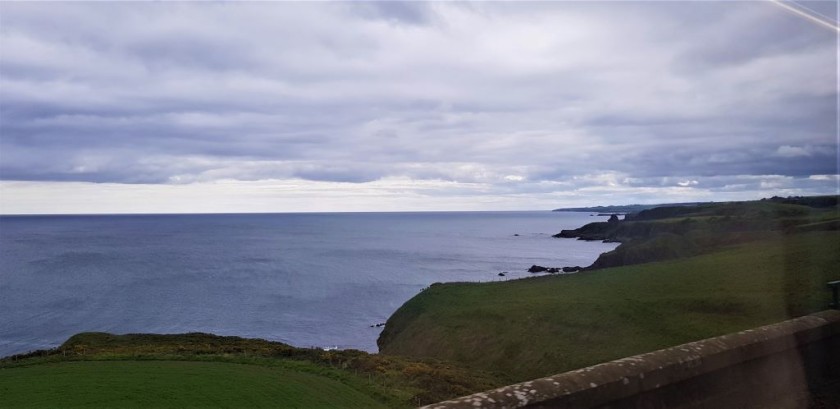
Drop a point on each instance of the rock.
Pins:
(571, 269)
(381, 324)
(567, 234)
(516, 235)
(537, 269)
(502, 274)
(553, 270)
(613, 219)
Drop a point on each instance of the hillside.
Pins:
(681, 274)
(534, 327)
(681, 231)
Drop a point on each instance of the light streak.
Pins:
(807, 16)
(812, 11)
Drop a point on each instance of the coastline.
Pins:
(366, 265)
(514, 330)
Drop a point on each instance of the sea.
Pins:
(307, 279)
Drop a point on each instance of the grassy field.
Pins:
(205, 370)
(535, 327)
(173, 384)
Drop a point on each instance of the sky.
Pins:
(410, 106)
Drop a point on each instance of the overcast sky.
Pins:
(241, 107)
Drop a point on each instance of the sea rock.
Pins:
(502, 274)
(567, 234)
(537, 269)
(571, 269)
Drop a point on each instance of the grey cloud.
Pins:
(407, 12)
(522, 98)
(337, 174)
(738, 38)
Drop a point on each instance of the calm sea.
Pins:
(304, 279)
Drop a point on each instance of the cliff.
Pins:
(680, 231)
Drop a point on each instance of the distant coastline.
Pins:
(623, 209)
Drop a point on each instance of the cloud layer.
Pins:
(544, 100)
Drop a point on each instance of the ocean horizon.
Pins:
(306, 279)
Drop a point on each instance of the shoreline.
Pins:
(479, 240)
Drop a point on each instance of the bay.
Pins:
(309, 279)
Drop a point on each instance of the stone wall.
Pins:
(767, 367)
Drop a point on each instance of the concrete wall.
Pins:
(767, 367)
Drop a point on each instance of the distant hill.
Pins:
(678, 231)
(633, 208)
(810, 201)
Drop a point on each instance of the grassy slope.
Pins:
(172, 384)
(664, 233)
(350, 377)
(535, 327)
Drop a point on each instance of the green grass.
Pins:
(535, 327)
(390, 381)
(682, 231)
(172, 384)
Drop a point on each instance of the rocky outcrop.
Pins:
(540, 269)
(597, 231)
